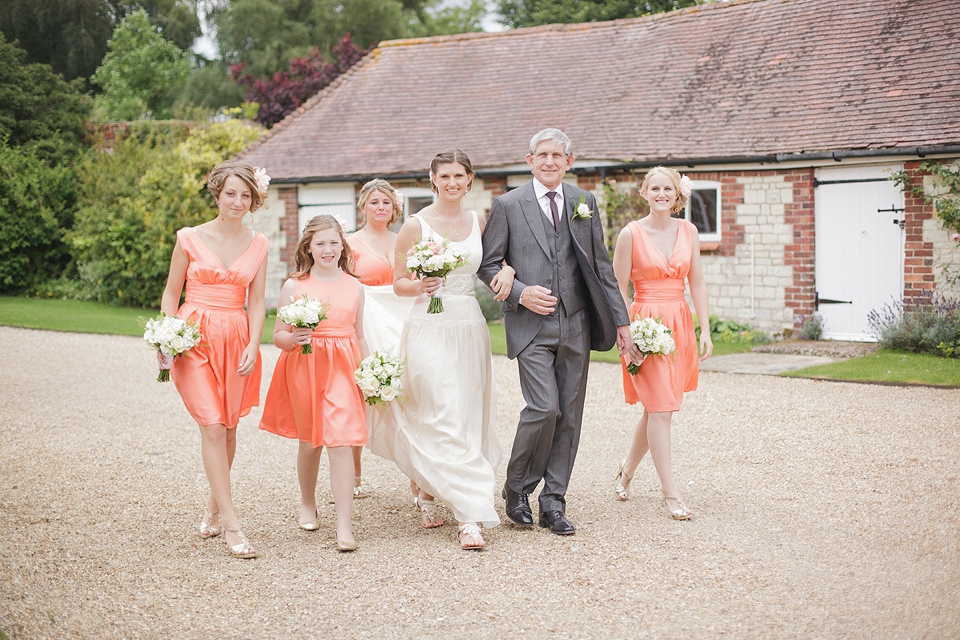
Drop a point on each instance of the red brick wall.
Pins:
(289, 224)
(918, 276)
(801, 255)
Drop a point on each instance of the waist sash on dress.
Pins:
(216, 297)
(665, 290)
(332, 332)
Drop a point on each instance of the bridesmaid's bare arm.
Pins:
(256, 315)
(622, 266)
(698, 292)
(358, 326)
(179, 262)
(170, 301)
(623, 263)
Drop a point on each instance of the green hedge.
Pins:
(135, 196)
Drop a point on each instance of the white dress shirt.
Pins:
(541, 191)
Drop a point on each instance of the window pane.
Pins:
(703, 210)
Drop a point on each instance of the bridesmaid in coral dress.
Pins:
(656, 254)
(313, 397)
(374, 247)
(224, 265)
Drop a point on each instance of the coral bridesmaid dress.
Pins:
(206, 376)
(372, 269)
(313, 396)
(659, 287)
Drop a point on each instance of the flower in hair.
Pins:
(399, 201)
(263, 180)
(686, 186)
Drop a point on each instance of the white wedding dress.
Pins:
(441, 432)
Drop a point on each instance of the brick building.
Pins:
(789, 115)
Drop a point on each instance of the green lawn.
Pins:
(498, 344)
(86, 317)
(889, 366)
(94, 317)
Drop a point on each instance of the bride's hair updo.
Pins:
(450, 156)
(242, 170)
(302, 257)
(384, 187)
(674, 176)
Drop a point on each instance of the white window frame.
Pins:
(704, 185)
(335, 198)
(414, 192)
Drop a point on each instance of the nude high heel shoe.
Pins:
(681, 512)
(207, 528)
(622, 488)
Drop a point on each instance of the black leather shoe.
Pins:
(518, 509)
(557, 523)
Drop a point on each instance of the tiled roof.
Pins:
(738, 79)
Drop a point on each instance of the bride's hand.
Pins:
(502, 283)
(431, 285)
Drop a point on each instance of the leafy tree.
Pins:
(530, 13)
(71, 35)
(37, 107)
(140, 71)
(264, 35)
(36, 201)
(41, 131)
(134, 199)
(210, 85)
(287, 90)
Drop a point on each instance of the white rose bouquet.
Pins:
(652, 338)
(379, 377)
(171, 336)
(303, 312)
(434, 259)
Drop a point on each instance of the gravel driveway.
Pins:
(824, 510)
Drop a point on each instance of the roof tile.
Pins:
(737, 79)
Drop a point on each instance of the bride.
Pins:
(443, 434)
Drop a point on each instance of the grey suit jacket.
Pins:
(515, 233)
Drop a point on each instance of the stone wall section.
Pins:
(754, 208)
(269, 223)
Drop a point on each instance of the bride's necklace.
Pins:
(452, 230)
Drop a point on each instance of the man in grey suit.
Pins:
(564, 302)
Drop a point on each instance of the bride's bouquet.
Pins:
(303, 312)
(379, 377)
(652, 339)
(436, 260)
(172, 336)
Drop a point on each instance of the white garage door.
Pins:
(859, 247)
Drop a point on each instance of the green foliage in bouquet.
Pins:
(135, 197)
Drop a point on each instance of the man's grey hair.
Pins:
(553, 135)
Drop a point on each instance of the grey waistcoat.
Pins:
(567, 281)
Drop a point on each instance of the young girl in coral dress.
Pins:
(224, 265)
(313, 397)
(656, 254)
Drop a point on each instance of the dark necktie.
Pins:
(553, 209)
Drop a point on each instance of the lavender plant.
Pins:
(928, 324)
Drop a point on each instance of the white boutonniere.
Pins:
(582, 210)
